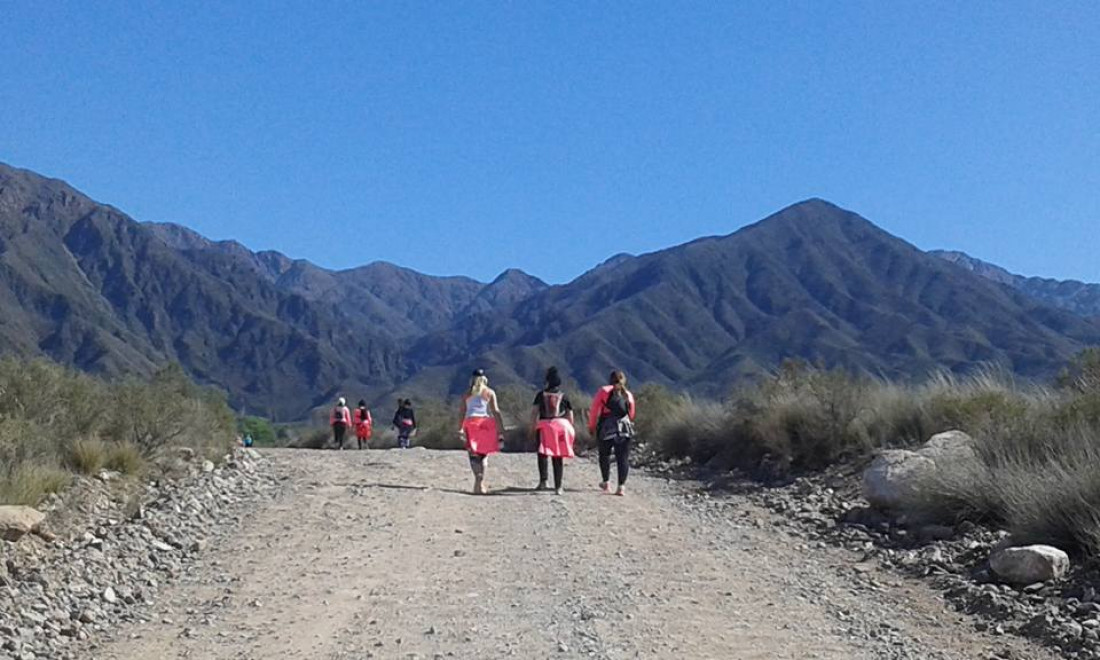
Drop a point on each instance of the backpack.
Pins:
(618, 404)
(338, 416)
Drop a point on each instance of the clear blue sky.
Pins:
(468, 137)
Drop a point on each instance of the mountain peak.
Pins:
(516, 275)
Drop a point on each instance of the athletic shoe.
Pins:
(605, 487)
(621, 491)
(559, 491)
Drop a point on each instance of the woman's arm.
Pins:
(495, 409)
(630, 403)
(598, 402)
(462, 412)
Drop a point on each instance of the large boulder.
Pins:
(18, 521)
(949, 448)
(1029, 564)
(896, 476)
(893, 478)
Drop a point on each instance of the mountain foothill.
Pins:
(85, 285)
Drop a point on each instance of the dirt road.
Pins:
(383, 554)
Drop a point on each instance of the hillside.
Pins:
(812, 281)
(84, 284)
(1078, 297)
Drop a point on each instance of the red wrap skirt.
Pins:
(481, 435)
(556, 437)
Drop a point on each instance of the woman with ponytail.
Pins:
(611, 422)
(552, 419)
(482, 426)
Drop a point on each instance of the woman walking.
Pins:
(363, 424)
(404, 420)
(611, 422)
(339, 419)
(552, 419)
(482, 426)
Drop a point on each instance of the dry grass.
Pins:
(87, 455)
(1038, 447)
(29, 483)
(55, 422)
(125, 458)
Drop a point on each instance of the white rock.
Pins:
(207, 466)
(18, 521)
(948, 448)
(110, 596)
(896, 476)
(892, 479)
(1029, 564)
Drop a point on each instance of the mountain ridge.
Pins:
(1079, 297)
(86, 285)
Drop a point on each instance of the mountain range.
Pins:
(1079, 297)
(86, 285)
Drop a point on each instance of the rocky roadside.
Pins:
(1063, 614)
(101, 559)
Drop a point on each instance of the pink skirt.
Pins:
(481, 435)
(556, 437)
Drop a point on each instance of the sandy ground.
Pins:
(384, 554)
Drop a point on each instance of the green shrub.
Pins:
(53, 418)
(262, 431)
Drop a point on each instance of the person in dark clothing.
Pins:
(339, 419)
(552, 420)
(404, 420)
(611, 422)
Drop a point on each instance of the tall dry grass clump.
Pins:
(1037, 449)
(802, 418)
(56, 422)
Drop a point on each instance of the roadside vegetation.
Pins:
(56, 423)
(1038, 447)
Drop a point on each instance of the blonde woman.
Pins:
(482, 426)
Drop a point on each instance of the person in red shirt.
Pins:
(611, 423)
(339, 419)
(363, 423)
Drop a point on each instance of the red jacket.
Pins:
(599, 406)
(362, 419)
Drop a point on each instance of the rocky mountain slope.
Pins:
(84, 284)
(1078, 297)
(813, 281)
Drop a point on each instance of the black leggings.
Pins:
(338, 431)
(622, 459)
(559, 469)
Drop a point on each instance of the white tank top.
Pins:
(477, 406)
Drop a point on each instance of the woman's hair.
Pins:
(618, 380)
(553, 378)
(478, 384)
(362, 403)
(407, 403)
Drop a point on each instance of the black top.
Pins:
(403, 413)
(552, 403)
